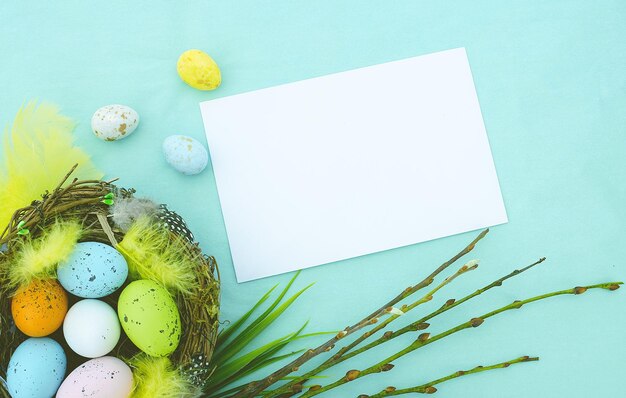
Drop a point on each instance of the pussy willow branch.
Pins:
(255, 387)
(406, 308)
(421, 324)
(429, 388)
(424, 339)
(296, 385)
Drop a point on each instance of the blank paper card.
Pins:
(352, 163)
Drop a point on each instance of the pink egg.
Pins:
(106, 377)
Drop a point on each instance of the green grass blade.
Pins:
(214, 389)
(306, 336)
(248, 363)
(258, 363)
(269, 361)
(310, 377)
(231, 371)
(269, 357)
(231, 368)
(282, 295)
(227, 393)
(231, 391)
(221, 347)
(250, 333)
(226, 333)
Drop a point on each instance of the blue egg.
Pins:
(93, 270)
(185, 154)
(36, 369)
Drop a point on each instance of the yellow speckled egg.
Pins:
(199, 70)
(39, 308)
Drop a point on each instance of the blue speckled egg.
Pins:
(36, 368)
(93, 270)
(185, 154)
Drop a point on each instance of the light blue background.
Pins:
(551, 78)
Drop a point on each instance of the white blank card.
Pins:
(352, 163)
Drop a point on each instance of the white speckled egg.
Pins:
(93, 270)
(114, 122)
(36, 368)
(185, 154)
(91, 328)
(105, 377)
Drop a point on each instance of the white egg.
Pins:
(91, 328)
(105, 377)
(114, 122)
(185, 154)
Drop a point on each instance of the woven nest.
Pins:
(83, 201)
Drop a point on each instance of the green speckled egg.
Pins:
(150, 318)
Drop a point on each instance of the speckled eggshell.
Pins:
(150, 318)
(91, 328)
(36, 368)
(105, 377)
(93, 270)
(114, 122)
(199, 70)
(39, 308)
(185, 154)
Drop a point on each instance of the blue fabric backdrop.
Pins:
(551, 80)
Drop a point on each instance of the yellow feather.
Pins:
(38, 152)
(152, 253)
(38, 258)
(157, 377)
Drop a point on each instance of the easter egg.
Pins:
(150, 317)
(93, 270)
(91, 328)
(36, 368)
(185, 154)
(39, 308)
(105, 377)
(114, 122)
(199, 70)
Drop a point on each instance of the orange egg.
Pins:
(39, 308)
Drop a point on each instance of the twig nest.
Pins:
(174, 318)
(114, 122)
(199, 70)
(185, 154)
